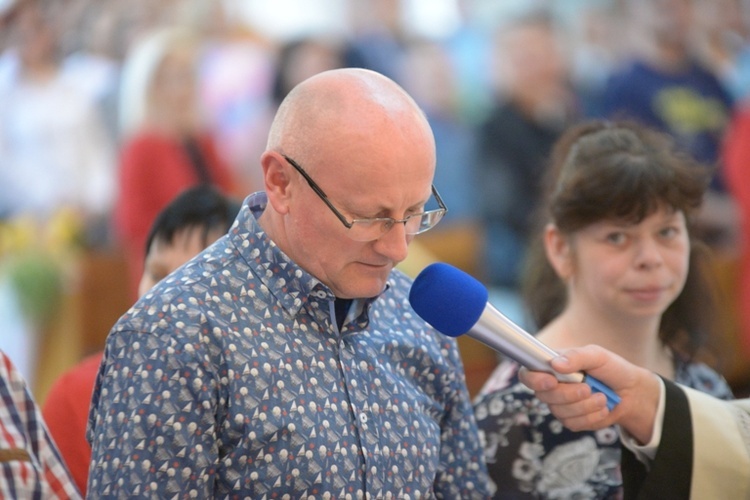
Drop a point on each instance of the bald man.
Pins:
(285, 361)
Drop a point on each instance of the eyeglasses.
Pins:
(373, 228)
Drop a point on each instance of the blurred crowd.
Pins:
(109, 108)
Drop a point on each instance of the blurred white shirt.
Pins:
(54, 150)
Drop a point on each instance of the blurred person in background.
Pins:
(664, 85)
(534, 103)
(721, 41)
(55, 153)
(95, 45)
(736, 157)
(192, 221)
(596, 37)
(30, 464)
(166, 146)
(235, 76)
(615, 264)
(57, 179)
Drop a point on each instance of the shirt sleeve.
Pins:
(670, 473)
(30, 464)
(463, 472)
(152, 423)
(646, 452)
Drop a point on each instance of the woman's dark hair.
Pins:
(203, 207)
(622, 171)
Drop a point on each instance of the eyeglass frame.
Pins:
(347, 224)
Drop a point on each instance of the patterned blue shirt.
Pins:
(230, 378)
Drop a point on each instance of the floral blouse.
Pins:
(531, 455)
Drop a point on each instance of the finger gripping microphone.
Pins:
(455, 303)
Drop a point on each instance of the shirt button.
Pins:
(363, 418)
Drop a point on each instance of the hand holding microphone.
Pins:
(455, 303)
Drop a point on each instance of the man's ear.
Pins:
(276, 180)
(559, 253)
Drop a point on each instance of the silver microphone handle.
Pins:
(501, 334)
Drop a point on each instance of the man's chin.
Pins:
(366, 282)
(364, 290)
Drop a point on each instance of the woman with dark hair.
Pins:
(614, 265)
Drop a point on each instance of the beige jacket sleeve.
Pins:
(704, 451)
(721, 447)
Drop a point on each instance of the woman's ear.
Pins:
(276, 180)
(559, 252)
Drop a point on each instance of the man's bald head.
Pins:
(342, 100)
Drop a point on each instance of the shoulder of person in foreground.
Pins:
(27, 445)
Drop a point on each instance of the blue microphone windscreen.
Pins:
(448, 299)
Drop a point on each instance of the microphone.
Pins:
(455, 303)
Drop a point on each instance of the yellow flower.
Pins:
(36, 255)
(17, 235)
